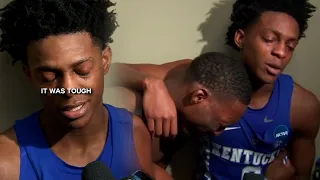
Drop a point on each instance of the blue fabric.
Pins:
(38, 161)
(253, 142)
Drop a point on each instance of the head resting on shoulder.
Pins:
(216, 90)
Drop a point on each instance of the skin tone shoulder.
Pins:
(305, 117)
(132, 101)
(71, 60)
(266, 47)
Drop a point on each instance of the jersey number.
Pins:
(251, 169)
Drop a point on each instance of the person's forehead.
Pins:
(62, 42)
(278, 21)
(67, 47)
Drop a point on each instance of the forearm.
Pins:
(136, 76)
(304, 173)
(303, 154)
(123, 75)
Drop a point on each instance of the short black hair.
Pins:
(24, 21)
(221, 74)
(247, 12)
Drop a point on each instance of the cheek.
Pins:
(50, 100)
(235, 119)
(97, 84)
(255, 52)
(287, 60)
(210, 118)
(237, 114)
(191, 115)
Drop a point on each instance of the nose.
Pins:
(279, 51)
(67, 83)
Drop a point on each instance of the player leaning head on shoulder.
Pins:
(64, 44)
(282, 114)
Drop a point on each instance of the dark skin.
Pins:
(195, 103)
(266, 46)
(71, 60)
(131, 100)
(198, 108)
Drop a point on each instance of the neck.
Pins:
(257, 84)
(59, 134)
(175, 87)
(261, 91)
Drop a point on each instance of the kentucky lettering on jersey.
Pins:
(243, 156)
(261, 135)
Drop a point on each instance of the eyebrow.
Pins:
(53, 68)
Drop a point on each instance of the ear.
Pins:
(239, 38)
(199, 95)
(106, 59)
(27, 72)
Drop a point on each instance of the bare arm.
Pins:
(10, 156)
(132, 101)
(144, 151)
(135, 76)
(159, 109)
(142, 141)
(305, 122)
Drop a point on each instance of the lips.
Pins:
(74, 111)
(71, 106)
(74, 108)
(273, 69)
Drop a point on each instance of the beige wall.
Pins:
(17, 98)
(160, 31)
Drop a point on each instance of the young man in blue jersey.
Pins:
(64, 44)
(281, 114)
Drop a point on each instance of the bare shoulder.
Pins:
(304, 98)
(140, 128)
(305, 110)
(124, 98)
(143, 145)
(9, 155)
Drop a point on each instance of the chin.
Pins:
(267, 78)
(77, 123)
(272, 79)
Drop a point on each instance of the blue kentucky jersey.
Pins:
(253, 142)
